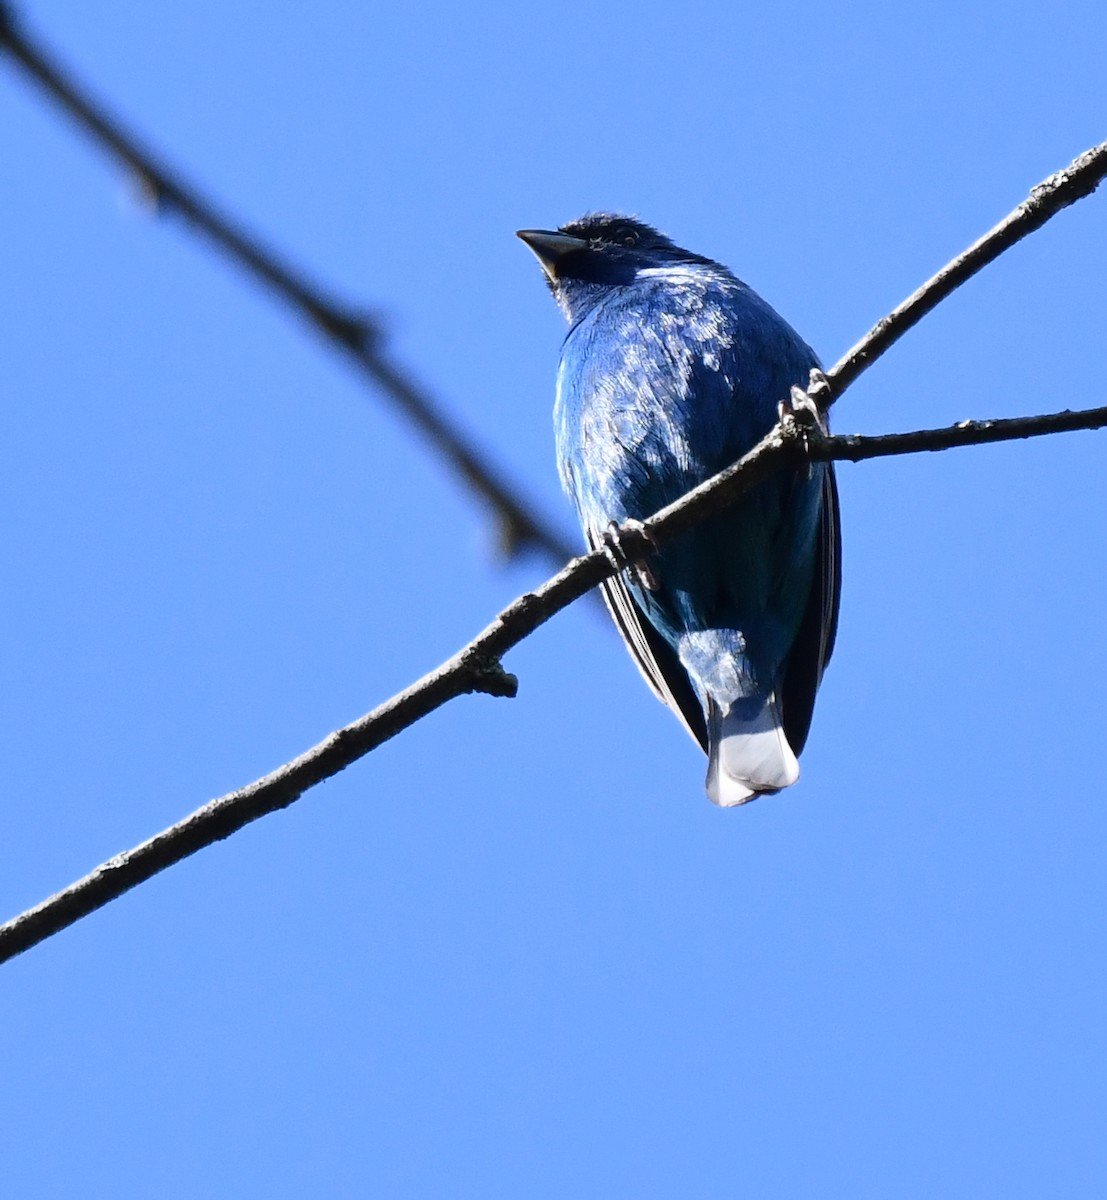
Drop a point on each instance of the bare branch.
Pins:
(465, 672)
(1083, 175)
(477, 666)
(344, 327)
(855, 448)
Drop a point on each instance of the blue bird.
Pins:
(672, 369)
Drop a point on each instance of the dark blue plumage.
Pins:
(671, 370)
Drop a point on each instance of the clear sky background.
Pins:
(516, 952)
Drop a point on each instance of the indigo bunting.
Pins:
(672, 369)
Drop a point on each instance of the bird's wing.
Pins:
(653, 656)
(814, 642)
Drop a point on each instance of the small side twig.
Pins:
(855, 448)
(345, 328)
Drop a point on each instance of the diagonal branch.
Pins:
(476, 667)
(346, 329)
(1079, 179)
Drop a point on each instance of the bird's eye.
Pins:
(628, 238)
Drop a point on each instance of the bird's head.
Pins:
(586, 258)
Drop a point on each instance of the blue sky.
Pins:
(516, 951)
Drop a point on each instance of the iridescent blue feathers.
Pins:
(671, 370)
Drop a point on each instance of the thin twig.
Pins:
(476, 667)
(855, 448)
(344, 327)
(1083, 175)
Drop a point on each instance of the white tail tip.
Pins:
(749, 755)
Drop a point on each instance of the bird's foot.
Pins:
(627, 547)
(820, 392)
(806, 407)
(800, 413)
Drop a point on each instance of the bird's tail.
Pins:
(748, 754)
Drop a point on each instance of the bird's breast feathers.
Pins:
(654, 390)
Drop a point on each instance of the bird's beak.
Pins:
(550, 248)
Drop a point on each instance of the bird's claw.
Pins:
(802, 406)
(801, 413)
(820, 392)
(626, 547)
(799, 409)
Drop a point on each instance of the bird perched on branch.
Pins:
(672, 369)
